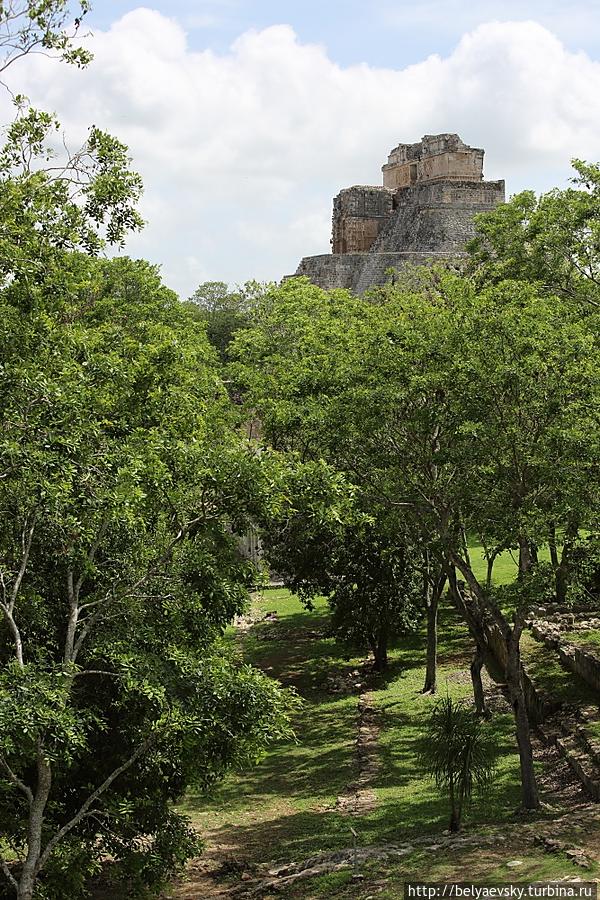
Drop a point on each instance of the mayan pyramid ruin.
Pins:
(423, 211)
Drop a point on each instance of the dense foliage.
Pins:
(124, 486)
(224, 311)
(391, 429)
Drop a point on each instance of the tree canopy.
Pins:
(125, 484)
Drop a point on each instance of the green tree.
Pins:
(487, 423)
(42, 26)
(322, 543)
(224, 311)
(552, 240)
(292, 374)
(459, 752)
(124, 485)
(468, 409)
(375, 590)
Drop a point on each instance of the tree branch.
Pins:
(16, 780)
(26, 539)
(9, 876)
(85, 807)
(109, 599)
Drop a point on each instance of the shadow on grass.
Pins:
(284, 808)
(312, 770)
(409, 799)
(401, 815)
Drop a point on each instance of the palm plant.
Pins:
(459, 752)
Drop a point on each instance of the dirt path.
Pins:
(359, 797)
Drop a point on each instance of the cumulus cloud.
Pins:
(242, 152)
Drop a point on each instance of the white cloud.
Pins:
(241, 153)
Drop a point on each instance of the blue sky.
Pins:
(245, 118)
(378, 32)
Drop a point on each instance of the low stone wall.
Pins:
(359, 271)
(539, 704)
(581, 663)
(582, 763)
(570, 737)
(577, 660)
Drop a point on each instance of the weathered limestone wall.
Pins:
(437, 216)
(430, 222)
(359, 214)
(359, 271)
(539, 704)
(439, 156)
(574, 658)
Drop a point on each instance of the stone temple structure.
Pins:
(423, 211)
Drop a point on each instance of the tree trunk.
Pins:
(380, 651)
(433, 604)
(25, 889)
(514, 681)
(34, 832)
(561, 583)
(454, 825)
(527, 555)
(562, 570)
(478, 693)
(553, 548)
(432, 637)
(491, 559)
(465, 543)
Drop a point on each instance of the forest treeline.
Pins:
(367, 439)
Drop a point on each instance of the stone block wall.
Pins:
(357, 272)
(574, 658)
(359, 213)
(437, 216)
(438, 156)
(539, 704)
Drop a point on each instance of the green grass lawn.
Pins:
(506, 565)
(283, 809)
(385, 880)
(409, 801)
(286, 802)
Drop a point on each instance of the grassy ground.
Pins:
(284, 808)
(288, 798)
(386, 882)
(409, 802)
(282, 802)
(547, 673)
(588, 638)
(506, 565)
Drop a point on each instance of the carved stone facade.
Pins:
(359, 214)
(424, 211)
(438, 157)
